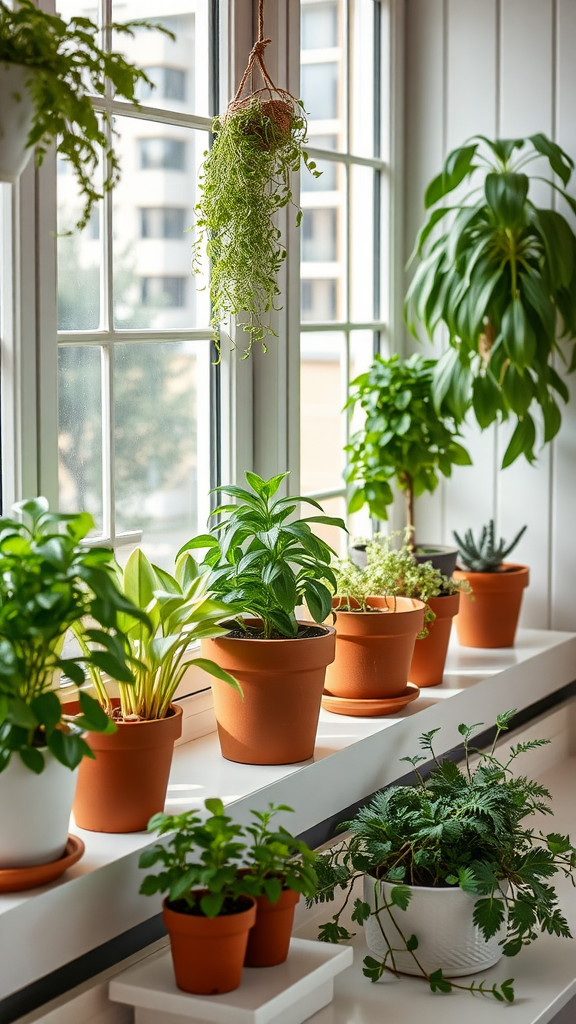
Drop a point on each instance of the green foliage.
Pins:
(499, 279)
(179, 612)
(209, 864)
(67, 65)
(462, 826)
(49, 582)
(484, 555)
(404, 438)
(262, 562)
(245, 180)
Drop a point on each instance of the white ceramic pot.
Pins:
(441, 920)
(15, 120)
(34, 812)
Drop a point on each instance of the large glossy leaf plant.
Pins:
(499, 273)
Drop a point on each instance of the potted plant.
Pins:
(48, 69)
(126, 784)
(499, 279)
(403, 439)
(208, 911)
(488, 617)
(393, 571)
(453, 877)
(262, 563)
(281, 868)
(245, 181)
(375, 636)
(50, 580)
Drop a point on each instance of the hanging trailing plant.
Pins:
(244, 181)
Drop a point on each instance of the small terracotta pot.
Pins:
(282, 682)
(208, 952)
(374, 649)
(488, 617)
(269, 939)
(429, 658)
(126, 784)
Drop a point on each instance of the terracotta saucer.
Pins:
(18, 879)
(370, 708)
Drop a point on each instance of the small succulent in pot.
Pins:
(484, 554)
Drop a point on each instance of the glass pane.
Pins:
(364, 86)
(323, 77)
(80, 430)
(319, 25)
(153, 207)
(322, 396)
(158, 388)
(328, 180)
(323, 239)
(323, 141)
(336, 538)
(79, 255)
(362, 242)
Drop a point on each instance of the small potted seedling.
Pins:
(488, 617)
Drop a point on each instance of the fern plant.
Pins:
(484, 555)
(461, 826)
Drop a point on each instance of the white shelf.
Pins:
(98, 899)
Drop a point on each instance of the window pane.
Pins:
(161, 154)
(319, 25)
(319, 235)
(322, 76)
(323, 269)
(364, 86)
(326, 182)
(80, 430)
(157, 390)
(322, 395)
(336, 538)
(162, 222)
(79, 256)
(362, 243)
(320, 90)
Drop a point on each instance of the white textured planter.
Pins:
(441, 920)
(34, 812)
(15, 120)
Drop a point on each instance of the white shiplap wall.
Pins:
(501, 68)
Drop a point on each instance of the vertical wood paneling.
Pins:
(563, 546)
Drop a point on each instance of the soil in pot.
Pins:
(282, 681)
(126, 783)
(429, 658)
(488, 617)
(208, 952)
(374, 649)
(269, 939)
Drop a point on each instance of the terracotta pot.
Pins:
(126, 784)
(269, 939)
(282, 682)
(374, 649)
(429, 658)
(16, 112)
(489, 616)
(208, 952)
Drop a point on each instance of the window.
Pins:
(343, 306)
(163, 291)
(162, 154)
(163, 222)
(167, 84)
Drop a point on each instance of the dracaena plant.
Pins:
(179, 612)
(501, 280)
(263, 562)
(403, 438)
(461, 826)
(50, 581)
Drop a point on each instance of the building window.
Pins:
(320, 90)
(163, 291)
(162, 154)
(319, 26)
(319, 236)
(163, 222)
(167, 84)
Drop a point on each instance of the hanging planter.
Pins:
(244, 181)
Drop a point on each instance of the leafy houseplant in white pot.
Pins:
(126, 783)
(48, 69)
(49, 581)
(489, 616)
(265, 565)
(453, 878)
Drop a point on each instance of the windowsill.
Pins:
(98, 899)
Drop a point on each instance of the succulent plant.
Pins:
(484, 555)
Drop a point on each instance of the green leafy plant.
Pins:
(500, 279)
(179, 612)
(207, 866)
(49, 582)
(484, 555)
(66, 65)
(403, 438)
(262, 562)
(245, 180)
(461, 826)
